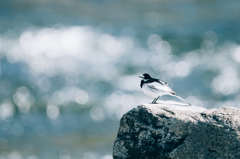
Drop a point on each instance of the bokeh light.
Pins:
(23, 99)
(52, 112)
(6, 109)
(81, 97)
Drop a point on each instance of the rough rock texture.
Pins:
(166, 132)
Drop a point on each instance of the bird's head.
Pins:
(145, 76)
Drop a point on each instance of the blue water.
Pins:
(69, 69)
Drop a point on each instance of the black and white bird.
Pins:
(156, 88)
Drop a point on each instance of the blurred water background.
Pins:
(69, 69)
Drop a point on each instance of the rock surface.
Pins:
(157, 131)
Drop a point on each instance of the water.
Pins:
(69, 69)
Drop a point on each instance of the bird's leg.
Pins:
(154, 101)
(157, 99)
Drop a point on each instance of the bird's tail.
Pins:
(174, 94)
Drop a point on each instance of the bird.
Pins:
(156, 88)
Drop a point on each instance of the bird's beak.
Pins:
(140, 76)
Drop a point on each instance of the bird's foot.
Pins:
(154, 102)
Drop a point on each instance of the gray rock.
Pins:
(176, 132)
